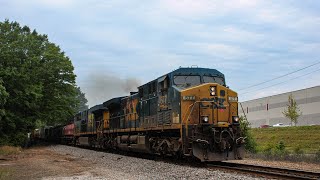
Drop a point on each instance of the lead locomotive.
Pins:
(188, 112)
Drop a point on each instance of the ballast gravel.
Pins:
(115, 166)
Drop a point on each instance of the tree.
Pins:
(3, 98)
(292, 112)
(38, 83)
(82, 101)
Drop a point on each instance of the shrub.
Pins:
(280, 149)
(250, 145)
(280, 146)
(18, 139)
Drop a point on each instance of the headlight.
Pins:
(205, 119)
(212, 90)
(235, 119)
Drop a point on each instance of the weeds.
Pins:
(8, 150)
(268, 151)
(3, 174)
(278, 151)
(304, 137)
(251, 145)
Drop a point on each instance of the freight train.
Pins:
(187, 112)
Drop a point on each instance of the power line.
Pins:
(279, 76)
(281, 82)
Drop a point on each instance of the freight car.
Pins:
(67, 134)
(187, 112)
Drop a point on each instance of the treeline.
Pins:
(37, 83)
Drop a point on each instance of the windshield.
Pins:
(186, 81)
(212, 79)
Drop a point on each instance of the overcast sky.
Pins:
(117, 45)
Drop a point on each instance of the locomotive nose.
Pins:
(213, 105)
(214, 120)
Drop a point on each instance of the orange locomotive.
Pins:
(188, 112)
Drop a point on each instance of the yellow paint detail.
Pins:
(106, 119)
(191, 111)
(90, 119)
(223, 124)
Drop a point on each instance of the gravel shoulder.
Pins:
(66, 162)
(115, 166)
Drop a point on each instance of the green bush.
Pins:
(280, 146)
(18, 139)
(280, 149)
(250, 145)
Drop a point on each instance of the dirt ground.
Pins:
(39, 163)
(43, 163)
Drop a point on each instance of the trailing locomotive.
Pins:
(187, 112)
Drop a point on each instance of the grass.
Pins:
(4, 174)
(8, 150)
(4, 151)
(305, 139)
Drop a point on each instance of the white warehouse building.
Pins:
(268, 110)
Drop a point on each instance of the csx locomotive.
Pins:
(187, 112)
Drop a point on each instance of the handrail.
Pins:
(192, 110)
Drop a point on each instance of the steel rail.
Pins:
(282, 173)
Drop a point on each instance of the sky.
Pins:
(118, 45)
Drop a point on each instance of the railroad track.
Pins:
(275, 172)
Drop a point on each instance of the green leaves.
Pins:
(3, 94)
(37, 83)
(82, 101)
(250, 145)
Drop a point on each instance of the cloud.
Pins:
(201, 8)
(54, 3)
(248, 40)
(48, 4)
(218, 50)
(187, 8)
